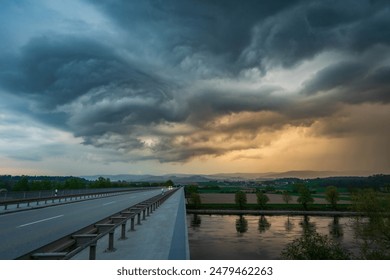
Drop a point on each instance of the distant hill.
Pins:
(178, 178)
(194, 178)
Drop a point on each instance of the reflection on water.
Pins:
(241, 224)
(196, 221)
(335, 229)
(258, 237)
(307, 226)
(264, 225)
(288, 225)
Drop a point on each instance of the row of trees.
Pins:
(372, 236)
(28, 183)
(304, 197)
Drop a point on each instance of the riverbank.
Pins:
(271, 212)
(225, 198)
(224, 204)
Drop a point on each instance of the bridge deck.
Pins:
(162, 236)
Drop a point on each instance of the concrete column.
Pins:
(123, 231)
(132, 223)
(92, 251)
(111, 241)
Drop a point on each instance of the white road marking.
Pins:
(47, 219)
(108, 203)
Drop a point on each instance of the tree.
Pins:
(314, 246)
(76, 183)
(332, 196)
(240, 199)
(22, 184)
(195, 200)
(102, 183)
(169, 183)
(262, 199)
(189, 190)
(373, 228)
(305, 197)
(286, 196)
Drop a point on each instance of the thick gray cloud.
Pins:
(341, 74)
(213, 26)
(299, 33)
(57, 69)
(169, 80)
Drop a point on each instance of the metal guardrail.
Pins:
(13, 195)
(61, 198)
(70, 245)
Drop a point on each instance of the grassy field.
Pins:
(226, 201)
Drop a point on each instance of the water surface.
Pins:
(228, 237)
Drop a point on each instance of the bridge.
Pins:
(141, 225)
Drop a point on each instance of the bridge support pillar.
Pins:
(132, 223)
(92, 251)
(123, 231)
(110, 242)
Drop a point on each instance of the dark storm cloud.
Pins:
(181, 63)
(56, 70)
(311, 27)
(214, 26)
(342, 74)
(351, 83)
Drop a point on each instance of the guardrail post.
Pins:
(132, 224)
(143, 214)
(123, 231)
(92, 251)
(111, 241)
(139, 218)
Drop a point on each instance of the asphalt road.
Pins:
(22, 232)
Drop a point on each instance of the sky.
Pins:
(194, 86)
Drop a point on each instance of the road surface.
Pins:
(22, 232)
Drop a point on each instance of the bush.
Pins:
(314, 246)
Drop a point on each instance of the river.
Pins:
(246, 237)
